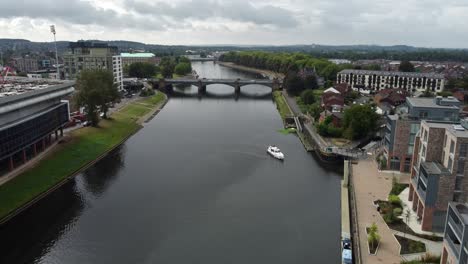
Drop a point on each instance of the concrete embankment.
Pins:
(84, 148)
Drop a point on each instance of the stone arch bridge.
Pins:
(274, 84)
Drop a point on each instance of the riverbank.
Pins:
(267, 73)
(80, 149)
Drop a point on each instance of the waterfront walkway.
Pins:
(370, 185)
(321, 144)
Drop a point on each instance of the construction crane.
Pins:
(4, 72)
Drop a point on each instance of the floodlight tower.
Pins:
(52, 30)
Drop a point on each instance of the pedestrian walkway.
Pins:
(370, 185)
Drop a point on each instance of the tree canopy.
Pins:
(183, 68)
(308, 97)
(406, 66)
(167, 65)
(284, 62)
(359, 121)
(142, 70)
(95, 91)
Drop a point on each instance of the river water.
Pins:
(195, 185)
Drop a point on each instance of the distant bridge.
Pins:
(202, 59)
(274, 84)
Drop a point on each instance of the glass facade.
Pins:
(18, 136)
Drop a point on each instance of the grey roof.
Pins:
(430, 103)
(434, 168)
(391, 73)
(448, 127)
(35, 93)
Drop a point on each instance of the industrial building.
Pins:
(31, 119)
(84, 55)
(374, 81)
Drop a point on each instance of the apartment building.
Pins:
(439, 171)
(25, 64)
(119, 62)
(130, 58)
(117, 71)
(455, 247)
(83, 55)
(402, 127)
(373, 81)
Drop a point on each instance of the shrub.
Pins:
(394, 200)
(147, 92)
(397, 188)
(308, 97)
(389, 217)
(397, 211)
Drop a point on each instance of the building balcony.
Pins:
(453, 246)
(456, 228)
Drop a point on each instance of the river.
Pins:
(195, 185)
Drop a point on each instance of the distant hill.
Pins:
(21, 46)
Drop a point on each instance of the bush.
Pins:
(397, 188)
(147, 92)
(397, 211)
(394, 200)
(389, 217)
(308, 97)
(333, 131)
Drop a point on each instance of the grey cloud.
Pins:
(241, 11)
(75, 12)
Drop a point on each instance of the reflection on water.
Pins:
(100, 176)
(31, 234)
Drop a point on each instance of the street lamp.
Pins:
(52, 30)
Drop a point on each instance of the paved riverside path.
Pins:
(369, 185)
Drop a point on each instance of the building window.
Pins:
(461, 167)
(445, 140)
(458, 183)
(423, 152)
(457, 197)
(452, 146)
(425, 135)
(450, 163)
(423, 114)
(463, 150)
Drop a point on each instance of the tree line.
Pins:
(166, 68)
(284, 62)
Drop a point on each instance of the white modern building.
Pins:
(373, 81)
(117, 70)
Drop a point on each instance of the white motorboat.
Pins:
(275, 152)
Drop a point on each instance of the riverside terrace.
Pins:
(274, 84)
(28, 120)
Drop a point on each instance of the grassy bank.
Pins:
(84, 146)
(281, 104)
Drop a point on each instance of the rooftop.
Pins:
(18, 87)
(446, 103)
(391, 73)
(453, 128)
(461, 210)
(434, 168)
(137, 55)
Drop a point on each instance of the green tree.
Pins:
(310, 82)
(167, 66)
(142, 70)
(308, 97)
(359, 121)
(183, 68)
(95, 91)
(373, 236)
(293, 83)
(406, 66)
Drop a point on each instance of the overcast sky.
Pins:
(426, 23)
